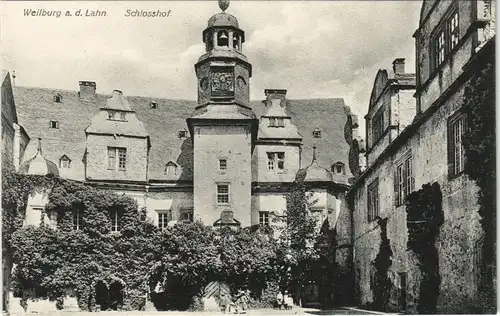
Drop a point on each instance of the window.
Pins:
(222, 193)
(117, 116)
(373, 200)
(445, 38)
(317, 133)
(338, 167)
(456, 153)
(187, 215)
(264, 218)
(116, 219)
(153, 105)
(453, 30)
(317, 215)
(440, 48)
(113, 163)
(58, 98)
(76, 219)
(164, 216)
(483, 272)
(223, 164)
(378, 126)
(54, 124)
(404, 182)
(276, 122)
(276, 161)
(52, 219)
(64, 162)
(171, 168)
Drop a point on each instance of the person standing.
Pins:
(224, 303)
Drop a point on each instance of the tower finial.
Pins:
(314, 154)
(39, 150)
(223, 5)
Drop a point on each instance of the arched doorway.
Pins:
(115, 295)
(102, 295)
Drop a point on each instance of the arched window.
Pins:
(171, 168)
(222, 39)
(236, 43)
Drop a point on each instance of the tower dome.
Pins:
(223, 19)
(38, 165)
(314, 172)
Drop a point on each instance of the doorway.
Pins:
(402, 291)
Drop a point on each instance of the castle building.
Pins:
(411, 143)
(223, 160)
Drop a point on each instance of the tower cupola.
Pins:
(223, 71)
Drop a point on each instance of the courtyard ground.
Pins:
(295, 311)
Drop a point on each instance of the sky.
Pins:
(314, 49)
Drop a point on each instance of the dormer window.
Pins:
(54, 124)
(117, 116)
(58, 98)
(171, 168)
(64, 162)
(153, 105)
(338, 168)
(276, 122)
(182, 133)
(222, 39)
(317, 133)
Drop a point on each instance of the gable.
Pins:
(381, 80)
(36, 109)
(426, 9)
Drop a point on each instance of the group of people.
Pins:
(237, 305)
(283, 300)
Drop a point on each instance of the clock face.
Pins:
(222, 81)
(204, 83)
(241, 82)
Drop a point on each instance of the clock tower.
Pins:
(223, 127)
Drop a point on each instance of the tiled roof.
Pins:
(36, 109)
(329, 116)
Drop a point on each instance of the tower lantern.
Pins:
(223, 71)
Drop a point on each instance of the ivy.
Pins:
(479, 143)
(172, 266)
(424, 217)
(137, 260)
(382, 263)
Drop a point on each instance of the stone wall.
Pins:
(96, 158)
(233, 143)
(457, 237)
(260, 170)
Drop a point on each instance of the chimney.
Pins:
(87, 90)
(272, 94)
(398, 66)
